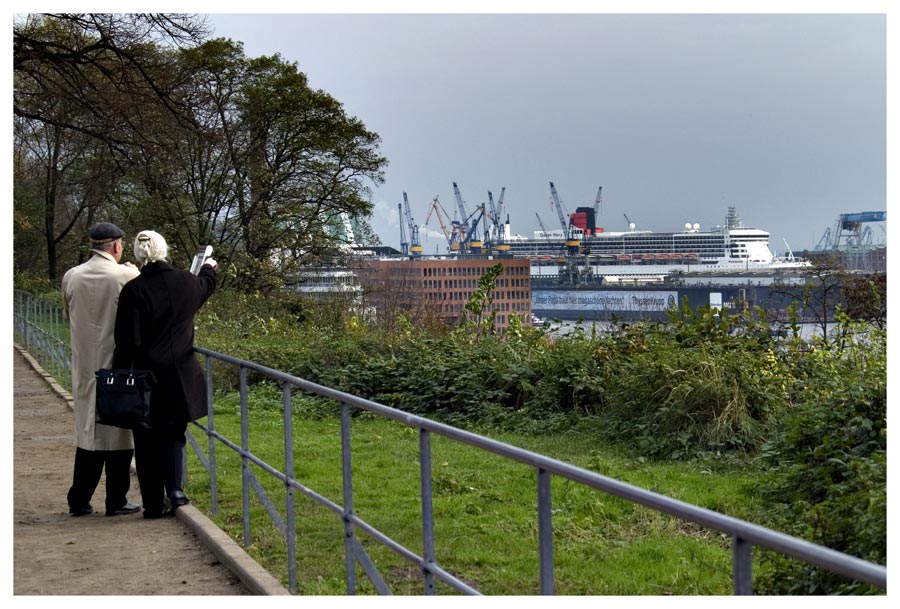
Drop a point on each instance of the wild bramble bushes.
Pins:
(826, 461)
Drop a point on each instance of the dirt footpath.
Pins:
(56, 554)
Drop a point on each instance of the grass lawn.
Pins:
(485, 511)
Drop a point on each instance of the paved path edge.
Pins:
(226, 550)
(251, 573)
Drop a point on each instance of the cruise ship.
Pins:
(639, 255)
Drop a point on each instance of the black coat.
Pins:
(155, 331)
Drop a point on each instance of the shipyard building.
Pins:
(440, 288)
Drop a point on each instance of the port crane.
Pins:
(404, 244)
(500, 209)
(463, 216)
(852, 240)
(438, 209)
(848, 231)
(541, 224)
(572, 244)
(471, 241)
(559, 210)
(492, 231)
(597, 204)
(415, 248)
(500, 244)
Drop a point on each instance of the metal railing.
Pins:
(744, 535)
(38, 323)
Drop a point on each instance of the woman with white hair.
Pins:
(155, 331)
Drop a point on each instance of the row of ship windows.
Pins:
(465, 296)
(693, 248)
(317, 281)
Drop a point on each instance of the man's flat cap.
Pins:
(105, 231)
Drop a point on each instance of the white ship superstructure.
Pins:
(641, 253)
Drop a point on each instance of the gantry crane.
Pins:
(415, 248)
(851, 239)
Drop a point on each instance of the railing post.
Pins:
(545, 531)
(245, 462)
(291, 530)
(742, 574)
(427, 509)
(211, 427)
(54, 333)
(32, 318)
(39, 318)
(26, 313)
(347, 477)
(60, 348)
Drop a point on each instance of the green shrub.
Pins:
(37, 286)
(697, 385)
(827, 464)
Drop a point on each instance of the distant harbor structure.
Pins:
(581, 270)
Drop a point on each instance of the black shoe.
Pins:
(81, 510)
(158, 512)
(178, 499)
(128, 508)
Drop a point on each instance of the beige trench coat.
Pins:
(90, 296)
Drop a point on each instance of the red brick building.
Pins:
(441, 287)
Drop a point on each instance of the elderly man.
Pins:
(90, 297)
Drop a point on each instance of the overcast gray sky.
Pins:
(676, 116)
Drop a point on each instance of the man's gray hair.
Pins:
(104, 246)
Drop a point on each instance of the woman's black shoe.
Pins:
(178, 499)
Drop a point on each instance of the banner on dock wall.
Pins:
(606, 300)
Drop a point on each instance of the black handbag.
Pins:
(123, 398)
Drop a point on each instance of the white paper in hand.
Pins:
(200, 257)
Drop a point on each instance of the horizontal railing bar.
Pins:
(758, 535)
(395, 546)
(320, 499)
(249, 455)
(324, 501)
